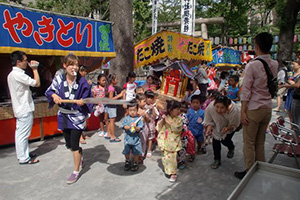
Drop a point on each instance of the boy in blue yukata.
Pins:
(132, 141)
(195, 117)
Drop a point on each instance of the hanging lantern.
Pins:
(244, 40)
(240, 48)
(217, 40)
(249, 40)
(240, 40)
(231, 41)
(235, 40)
(249, 48)
(276, 39)
(235, 47)
(211, 40)
(245, 47)
(295, 38)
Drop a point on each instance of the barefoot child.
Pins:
(71, 117)
(169, 130)
(99, 91)
(132, 141)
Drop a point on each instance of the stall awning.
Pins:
(175, 46)
(44, 33)
(226, 57)
(176, 65)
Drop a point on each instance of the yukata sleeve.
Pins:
(177, 126)
(159, 125)
(140, 124)
(208, 120)
(125, 122)
(85, 92)
(53, 89)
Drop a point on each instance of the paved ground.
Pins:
(103, 176)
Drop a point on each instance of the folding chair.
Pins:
(295, 128)
(289, 143)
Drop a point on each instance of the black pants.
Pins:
(72, 137)
(226, 142)
(203, 88)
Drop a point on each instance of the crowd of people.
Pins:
(210, 112)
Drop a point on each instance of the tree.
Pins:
(288, 13)
(121, 14)
(142, 16)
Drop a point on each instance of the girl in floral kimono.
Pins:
(169, 130)
(71, 117)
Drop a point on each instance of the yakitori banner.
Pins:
(44, 33)
(226, 57)
(173, 46)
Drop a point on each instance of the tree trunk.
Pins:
(121, 14)
(287, 29)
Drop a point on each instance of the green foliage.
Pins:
(142, 16)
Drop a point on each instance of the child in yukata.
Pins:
(132, 141)
(195, 117)
(149, 127)
(72, 116)
(169, 131)
(141, 100)
(187, 140)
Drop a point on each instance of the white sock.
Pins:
(76, 172)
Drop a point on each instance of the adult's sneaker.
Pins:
(73, 178)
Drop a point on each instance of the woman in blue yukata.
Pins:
(71, 117)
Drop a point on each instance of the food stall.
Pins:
(47, 37)
(174, 54)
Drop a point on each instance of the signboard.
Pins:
(154, 16)
(40, 33)
(187, 16)
(172, 45)
(226, 57)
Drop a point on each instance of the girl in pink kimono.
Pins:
(169, 131)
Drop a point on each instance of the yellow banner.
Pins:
(172, 45)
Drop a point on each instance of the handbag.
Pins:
(272, 81)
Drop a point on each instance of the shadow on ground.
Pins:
(93, 155)
(118, 169)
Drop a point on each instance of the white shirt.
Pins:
(201, 76)
(21, 97)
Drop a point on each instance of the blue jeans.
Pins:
(23, 131)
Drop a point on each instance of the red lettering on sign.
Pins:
(18, 22)
(46, 28)
(63, 30)
(79, 34)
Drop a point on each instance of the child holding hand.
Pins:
(169, 130)
(132, 141)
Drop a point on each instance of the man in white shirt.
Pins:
(202, 79)
(22, 102)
